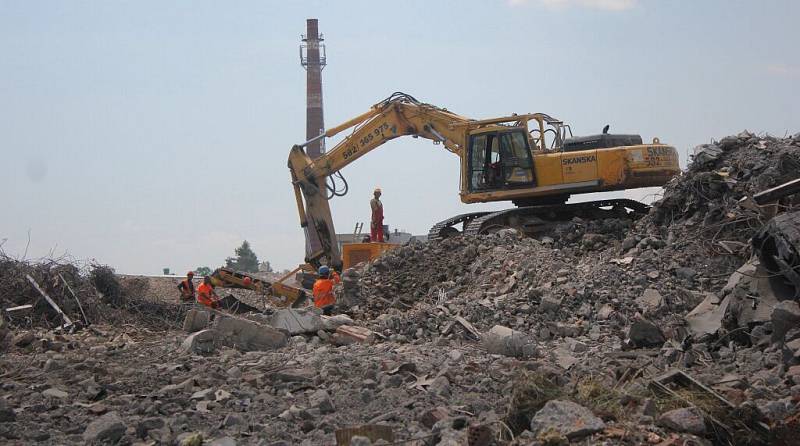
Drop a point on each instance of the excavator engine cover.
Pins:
(602, 141)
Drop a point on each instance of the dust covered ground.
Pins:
(575, 337)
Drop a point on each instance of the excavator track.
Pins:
(535, 219)
(445, 228)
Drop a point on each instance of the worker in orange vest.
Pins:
(324, 297)
(186, 287)
(376, 225)
(206, 295)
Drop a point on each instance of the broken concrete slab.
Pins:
(348, 334)
(331, 323)
(644, 333)
(55, 393)
(706, 318)
(549, 304)
(297, 321)
(566, 418)
(107, 429)
(202, 342)
(502, 340)
(785, 316)
(247, 335)
(686, 419)
(196, 320)
(650, 300)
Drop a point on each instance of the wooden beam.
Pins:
(67, 321)
(777, 192)
(85, 319)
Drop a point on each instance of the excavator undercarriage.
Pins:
(535, 220)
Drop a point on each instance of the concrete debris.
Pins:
(469, 340)
(107, 429)
(297, 321)
(650, 300)
(196, 320)
(202, 342)
(785, 316)
(706, 318)
(566, 418)
(505, 341)
(247, 335)
(777, 246)
(687, 419)
(644, 334)
(347, 334)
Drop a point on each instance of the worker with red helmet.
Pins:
(186, 287)
(376, 223)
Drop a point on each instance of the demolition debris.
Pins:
(680, 328)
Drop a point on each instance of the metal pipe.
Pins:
(437, 134)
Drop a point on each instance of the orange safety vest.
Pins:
(323, 291)
(205, 295)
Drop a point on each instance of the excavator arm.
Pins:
(396, 116)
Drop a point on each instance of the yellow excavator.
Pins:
(531, 160)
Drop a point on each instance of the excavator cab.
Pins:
(499, 160)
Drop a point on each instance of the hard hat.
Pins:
(190, 273)
(324, 270)
(248, 281)
(378, 190)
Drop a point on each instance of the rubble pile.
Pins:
(668, 330)
(82, 294)
(705, 198)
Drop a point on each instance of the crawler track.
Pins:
(534, 219)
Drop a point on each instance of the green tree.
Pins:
(265, 266)
(245, 260)
(202, 271)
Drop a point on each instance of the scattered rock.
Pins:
(645, 334)
(322, 401)
(202, 342)
(785, 316)
(687, 419)
(55, 393)
(566, 418)
(109, 429)
(23, 339)
(505, 341)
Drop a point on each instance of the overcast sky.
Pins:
(152, 134)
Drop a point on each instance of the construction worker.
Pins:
(186, 287)
(324, 298)
(206, 295)
(376, 226)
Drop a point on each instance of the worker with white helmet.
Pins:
(376, 226)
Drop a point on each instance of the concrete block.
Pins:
(348, 334)
(204, 341)
(331, 323)
(196, 320)
(296, 321)
(502, 340)
(247, 335)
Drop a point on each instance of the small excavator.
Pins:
(531, 160)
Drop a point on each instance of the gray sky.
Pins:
(150, 134)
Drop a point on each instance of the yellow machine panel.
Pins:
(579, 166)
(355, 253)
